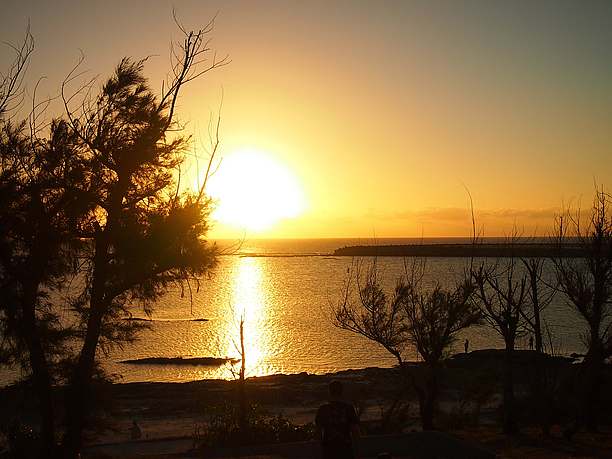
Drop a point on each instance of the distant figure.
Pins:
(466, 345)
(337, 425)
(531, 342)
(135, 432)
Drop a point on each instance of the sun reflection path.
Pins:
(248, 301)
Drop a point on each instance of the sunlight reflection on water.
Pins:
(286, 305)
(248, 302)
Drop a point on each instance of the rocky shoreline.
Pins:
(177, 410)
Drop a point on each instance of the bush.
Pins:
(23, 442)
(223, 428)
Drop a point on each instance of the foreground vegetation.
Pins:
(283, 406)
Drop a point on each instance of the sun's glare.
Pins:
(253, 191)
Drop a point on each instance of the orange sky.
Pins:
(382, 112)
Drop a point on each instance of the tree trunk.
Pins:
(77, 405)
(536, 314)
(79, 395)
(429, 410)
(509, 416)
(40, 377)
(594, 367)
(38, 362)
(534, 268)
(543, 397)
(242, 394)
(428, 397)
(37, 260)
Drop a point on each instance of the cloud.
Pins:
(457, 214)
(546, 213)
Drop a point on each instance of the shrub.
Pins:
(223, 428)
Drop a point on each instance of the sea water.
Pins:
(286, 292)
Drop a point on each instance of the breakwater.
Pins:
(496, 250)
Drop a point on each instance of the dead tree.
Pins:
(243, 402)
(586, 283)
(502, 295)
(413, 317)
(540, 295)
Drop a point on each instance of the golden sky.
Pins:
(377, 114)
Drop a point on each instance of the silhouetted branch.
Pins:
(587, 284)
(427, 319)
(11, 81)
(186, 65)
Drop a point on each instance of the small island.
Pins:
(207, 361)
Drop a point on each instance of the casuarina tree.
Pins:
(98, 201)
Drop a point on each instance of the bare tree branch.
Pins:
(11, 81)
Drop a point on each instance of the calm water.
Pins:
(286, 303)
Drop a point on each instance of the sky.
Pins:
(369, 119)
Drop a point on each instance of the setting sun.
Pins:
(253, 191)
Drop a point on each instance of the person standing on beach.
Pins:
(466, 345)
(337, 425)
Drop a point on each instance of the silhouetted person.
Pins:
(531, 342)
(337, 425)
(466, 345)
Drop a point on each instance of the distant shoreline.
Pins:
(454, 250)
(485, 250)
(461, 248)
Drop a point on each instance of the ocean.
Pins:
(286, 291)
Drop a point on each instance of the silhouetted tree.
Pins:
(427, 319)
(502, 294)
(98, 201)
(540, 294)
(587, 285)
(144, 235)
(37, 210)
(37, 255)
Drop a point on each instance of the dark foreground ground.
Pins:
(484, 442)
(172, 416)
